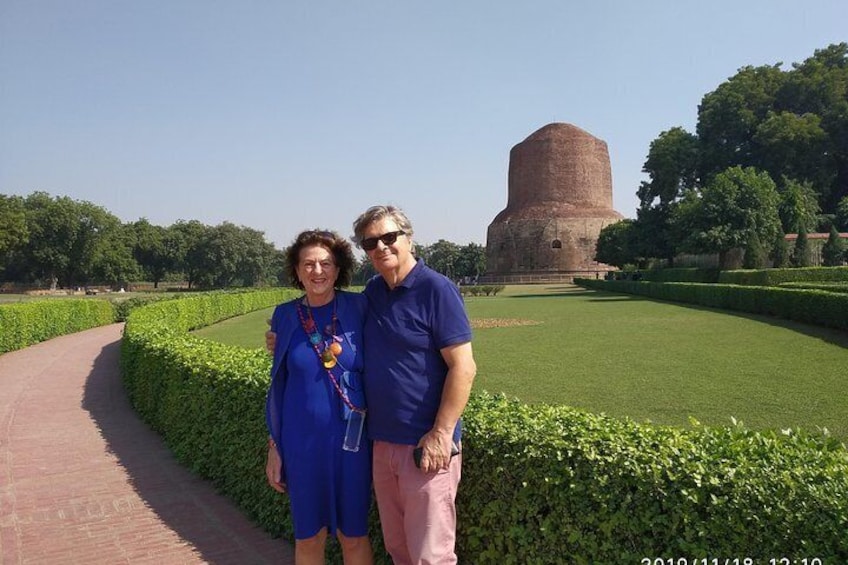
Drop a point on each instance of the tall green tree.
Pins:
(471, 261)
(615, 244)
(738, 205)
(13, 225)
(189, 241)
(67, 240)
(672, 166)
(442, 257)
(801, 253)
(756, 256)
(255, 265)
(729, 117)
(780, 255)
(799, 207)
(819, 86)
(791, 123)
(225, 255)
(14, 234)
(793, 146)
(841, 214)
(833, 251)
(113, 261)
(154, 251)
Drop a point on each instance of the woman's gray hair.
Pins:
(377, 213)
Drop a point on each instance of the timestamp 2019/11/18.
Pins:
(731, 561)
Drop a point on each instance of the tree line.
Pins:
(58, 242)
(769, 157)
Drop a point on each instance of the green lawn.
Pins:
(244, 331)
(631, 356)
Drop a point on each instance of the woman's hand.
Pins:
(274, 470)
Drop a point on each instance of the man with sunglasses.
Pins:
(419, 368)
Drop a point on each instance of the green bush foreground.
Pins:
(541, 484)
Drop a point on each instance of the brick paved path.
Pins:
(83, 480)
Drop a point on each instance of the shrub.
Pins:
(23, 324)
(780, 255)
(550, 484)
(477, 290)
(772, 277)
(828, 286)
(801, 253)
(682, 275)
(124, 307)
(833, 252)
(541, 484)
(206, 399)
(818, 307)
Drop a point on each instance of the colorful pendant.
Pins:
(328, 359)
(336, 348)
(315, 338)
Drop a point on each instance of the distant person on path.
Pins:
(316, 403)
(419, 369)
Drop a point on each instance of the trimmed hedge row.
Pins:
(26, 323)
(809, 306)
(749, 277)
(206, 399)
(774, 277)
(550, 484)
(828, 286)
(541, 484)
(681, 274)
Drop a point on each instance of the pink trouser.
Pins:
(417, 510)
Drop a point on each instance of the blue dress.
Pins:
(328, 487)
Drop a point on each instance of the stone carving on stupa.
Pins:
(559, 199)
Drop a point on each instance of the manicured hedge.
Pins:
(828, 286)
(25, 323)
(687, 274)
(750, 277)
(819, 307)
(541, 484)
(123, 307)
(550, 484)
(206, 399)
(773, 277)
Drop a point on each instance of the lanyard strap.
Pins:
(305, 325)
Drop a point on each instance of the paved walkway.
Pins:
(83, 480)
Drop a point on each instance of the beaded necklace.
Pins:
(330, 349)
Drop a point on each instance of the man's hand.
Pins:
(436, 450)
(270, 340)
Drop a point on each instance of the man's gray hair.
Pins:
(377, 213)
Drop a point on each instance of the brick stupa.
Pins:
(560, 197)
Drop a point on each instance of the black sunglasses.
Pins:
(370, 243)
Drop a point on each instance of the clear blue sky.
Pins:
(283, 115)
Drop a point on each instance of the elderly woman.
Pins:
(315, 408)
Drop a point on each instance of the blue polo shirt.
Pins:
(405, 329)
